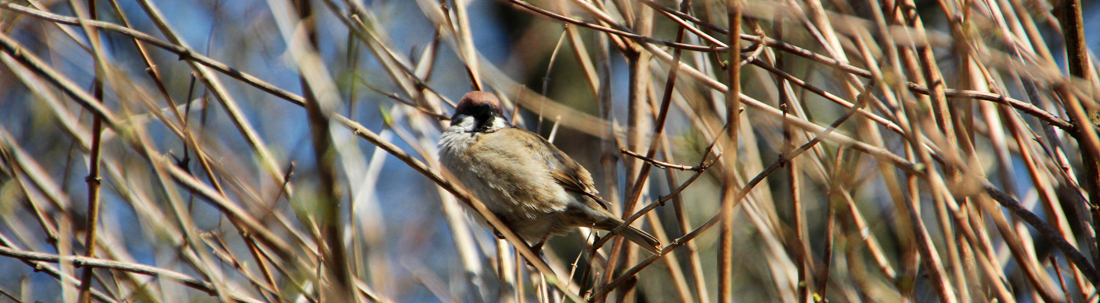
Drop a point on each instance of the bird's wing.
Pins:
(571, 175)
(571, 183)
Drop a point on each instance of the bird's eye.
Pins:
(484, 110)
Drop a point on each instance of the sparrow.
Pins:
(527, 182)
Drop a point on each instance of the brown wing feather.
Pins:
(571, 183)
(571, 175)
(574, 178)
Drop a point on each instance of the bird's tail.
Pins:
(643, 239)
